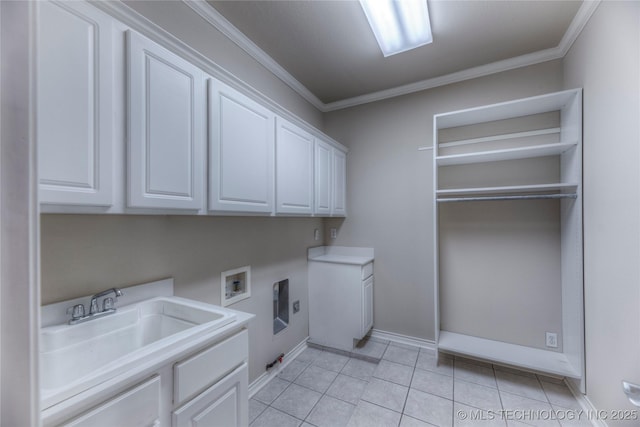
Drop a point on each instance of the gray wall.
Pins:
(83, 254)
(605, 61)
(390, 186)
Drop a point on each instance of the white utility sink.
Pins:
(75, 357)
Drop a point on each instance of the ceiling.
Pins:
(328, 47)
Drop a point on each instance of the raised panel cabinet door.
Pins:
(367, 305)
(224, 404)
(74, 104)
(241, 152)
(139, 406)
(339, 197)
(166, 143)
(323, 165)
(294, 169)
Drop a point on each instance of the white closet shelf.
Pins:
(527, 134)
(508, 354)
(505, 110)
(518, 189)
(507, 154)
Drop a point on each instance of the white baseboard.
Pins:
(263, 379)
(403, 339)
(586, 405)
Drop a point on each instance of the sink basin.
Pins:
(75, 354)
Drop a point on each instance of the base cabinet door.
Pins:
(74, 104)
(367, 305)
(139, 406)
(166, 128)
(225, 404)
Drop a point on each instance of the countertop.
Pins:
(341, 255)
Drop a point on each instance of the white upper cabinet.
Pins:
(241, 152)
(339, 199)
(74, 105)
(323, 161)
(330, 180)
(294, 169)
(166, 126)
(127, 126)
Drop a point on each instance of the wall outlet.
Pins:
(296, 306)
(334, 233)
(552, 339)
(316, 234)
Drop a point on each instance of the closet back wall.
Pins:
(83, 254)
(390, 186)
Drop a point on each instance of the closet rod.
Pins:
(521, 197)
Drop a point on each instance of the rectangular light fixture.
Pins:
(399, 25)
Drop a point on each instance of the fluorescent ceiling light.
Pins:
(399, 25)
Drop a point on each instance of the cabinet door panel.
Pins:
(166, 128)
(224, 404)
(339, 183)
(323, 165)
(294, 169)
(367, 306)
(241, 158)
(139, 406)
(73, 84)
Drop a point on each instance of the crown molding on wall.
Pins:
(579, 21)
(144, 26)
(577, 25)
(212, 16)
(215, 18)
(459, 76)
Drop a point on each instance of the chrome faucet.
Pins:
(93, 305)
(77, 311)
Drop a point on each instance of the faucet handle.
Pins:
(107, 304)
(77, 311)
(94, 306)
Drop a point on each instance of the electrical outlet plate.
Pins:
(552, 339)
(334, 233)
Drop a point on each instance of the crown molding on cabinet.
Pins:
(212, 16)
(144, 26)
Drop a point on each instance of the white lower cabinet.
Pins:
(224, 404)
(139, 406)
(340, 295)
(208, 388)
(367, 306)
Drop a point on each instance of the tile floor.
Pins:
(409, 388)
